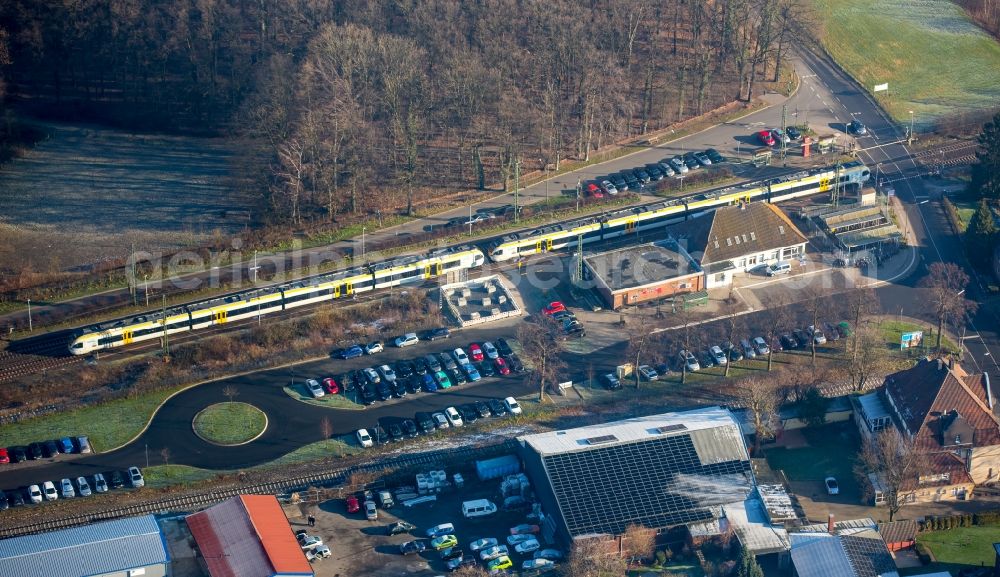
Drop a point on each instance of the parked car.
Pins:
(688, 360)
(831, 332)
(307, 541)
(641, 175)
(512, 406)
(371, 376)
(514, 362)
(718, 356)
(438, 333)
(100, 483)
(793, 133)
(733, 352)
(528, 546)
(116, 479)
(499, 564)
(486, 369)
(457, 377)
(429, 383)
(480, 544)
(454, 418)
(352, 504)
(691, 162)
(424, 422)
(330, 386)
(760, 345)
(535, 564)
(35, 494)
(707, 359)
(469, 413)
(550, 554)
(471, 372)
(399, 527)
(407, 340)
(387, 374)
(654, 172)
(492, 552)
(384, 391)
(497, 407)
(748, 350)
(19, 454)
(364, 438)
(50, 449)
(766, 138)
(374, 347)
(857, 127)
(135, 477)
(412, 547)
(714, 156)
(4, 455)
(647, 373)
(788, 342)
(665, 168)
(409, 428)
(611, 382)
(440, 421)
(525, 529)
(591, 189)
(832, 488)
(351, 352)
(83, 487)
(503, 347)
(67, 490)
(395, 432)
(609, 187)
(447, 361)
(49, 490)
(779, 136)
(678, 163)
(314, 388)
(317, 553)
(432, 362)
(802, 337)
(368, 394)
(553, 307)
(702, 159)
(817, 335)
(619, 181)
(371, 511)
(444, 542)
(65, 445)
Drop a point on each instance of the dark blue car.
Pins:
(430, 385)
(351, 352)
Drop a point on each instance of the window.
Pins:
(958, 439)
(137, 572)
(721, 277)
(745, 238)
(729, 242)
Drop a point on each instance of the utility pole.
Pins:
(30, 328)
(578, 187)
(784, 145)
(909, 135)
(579, 262)
(254, 268)
(145, 288)
(131, 280)
(835, 195)
(166, 338)
(517, 184)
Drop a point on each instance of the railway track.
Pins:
(330, 477)
(44, 354)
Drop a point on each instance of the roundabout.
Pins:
(229, 424)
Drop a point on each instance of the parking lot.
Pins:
(360, 547)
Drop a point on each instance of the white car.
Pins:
(748, 350)
(371, 375)
(100, 483)
(512, 406)
(761, 346)
(135, 477)
(315, 389)
(689, 360)
(407, 340)
(372, 348)
(440, 421)
(387, 373)
(832, 488)
(490, 351)
(441, 529)
(83, 486)
(550, 554)
(35, 494)
(540, 563)
(49, 488)
(317, 553)
(68, 492)
(493, 552)
(307, 541)
(718, 355)
(484, 543)
(528, 546)
(647, 373)
(460, 357)
(454, 419)
(364, 439)
(520, 538)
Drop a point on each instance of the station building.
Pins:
(636, 274)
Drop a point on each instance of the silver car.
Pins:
(83, 486)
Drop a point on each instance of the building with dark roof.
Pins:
(119, 548)
(843, 549)
(636, 274)
(248, 536)
(658, 471)
(899, 535)
(733, 239)
(951, 417)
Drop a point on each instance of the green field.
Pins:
(825, 455)
(935, 60)
(957, 549)
(230, 423)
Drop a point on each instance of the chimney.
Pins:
(939, 363)
(951, 362)
(829, 524)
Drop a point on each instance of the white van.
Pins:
(478, 508)
(780, 267)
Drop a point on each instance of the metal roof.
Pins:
(722, 444)
(749, 520)
(107, 547)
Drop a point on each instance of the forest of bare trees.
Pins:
(364, 105)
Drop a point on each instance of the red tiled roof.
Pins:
(248, 536)
(925, 392)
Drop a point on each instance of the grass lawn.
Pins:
(830, 453)
(299, 392)
(672, 569)
(230, 423)
(960, 548)
(108, 425)
(892, 330)
(935, 60)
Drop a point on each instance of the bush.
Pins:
(661, 559)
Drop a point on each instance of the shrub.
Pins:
(661, 559)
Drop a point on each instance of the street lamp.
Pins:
(909, 136)
(545, 169)
(363, 243)
(145, 288)
(29, 316)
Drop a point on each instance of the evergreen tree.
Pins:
(748, 566)
(980, 236)
(986, 172)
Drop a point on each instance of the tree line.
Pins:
(360, 106)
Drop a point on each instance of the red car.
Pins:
(553, 308)
(475, 352)
(501, 366)
(766, 138)
(353, 506)
(594, 190)
(4, 457)
(330, 386)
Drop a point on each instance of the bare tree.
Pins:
(868, 355)
(814, 302)
(542, 342)
(733, 324)
(895, 464)
(231, 392)
(638, 338)
(760, 396)
(326, 427)
(776, 320)
(946, 283)
(638, 542)
(594, 557)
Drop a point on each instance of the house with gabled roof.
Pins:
(739, 238)
(843, 549)
(950, 415)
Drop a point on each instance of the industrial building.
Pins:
(658, 471)
(121, 548)
(636, 274)
(248, 536)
